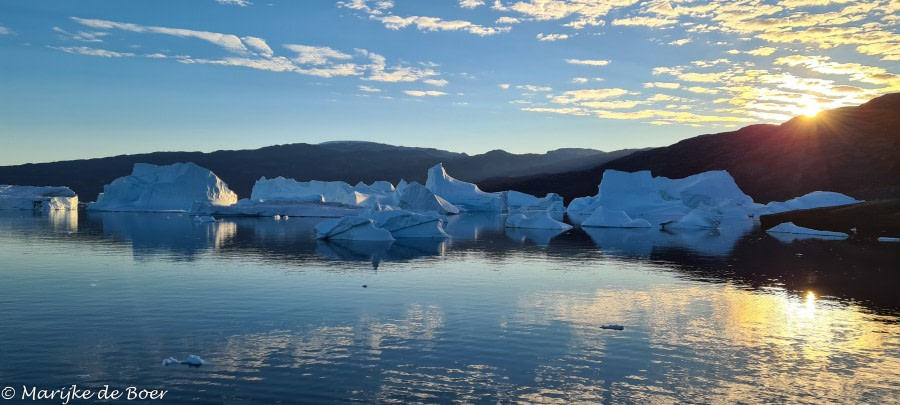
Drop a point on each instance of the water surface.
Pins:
(490, 315)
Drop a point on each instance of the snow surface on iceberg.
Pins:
(37, 198)
(465, 196)
(537, 220)
(163, 188)
(660, 199)
(604, 218)
(517, 201)
(815, 199)
(789, 227)
(351, 228)
(405, 224)
(417, 198)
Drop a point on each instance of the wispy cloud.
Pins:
(255, 53)
(551, 37)
(424, 93)
(5, 31)
(589, 62)
(239, 3)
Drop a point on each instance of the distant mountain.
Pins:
(852, 150)
(348, 161)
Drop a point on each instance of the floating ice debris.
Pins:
(789, 227)
(888, 239)
(351, 228)
(277, 217)
(612, 326)
(194, 360)
(204, 218)
(604, 218)
(538, 220)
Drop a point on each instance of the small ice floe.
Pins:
(83, 376)
(277, 217)
(790, 228)
(888, 239)
(204, 218)
(192, 361)
(612, 326)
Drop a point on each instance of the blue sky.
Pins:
(99, 78)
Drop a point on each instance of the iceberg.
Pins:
(405, 224)
(539, 220)
(815, 199)
(604, 218)
(37, 198)
(660, 199)
(465, 196)
(249, 208)
(204, 218)
(789, 227)
(417, 198)
(290, 190)
(517, 201)
(351, 228)
(163, 188)
(698, 218)
(888, 239)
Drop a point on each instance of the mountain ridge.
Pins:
(852, 150)
(350, 161)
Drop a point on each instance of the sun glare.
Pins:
(811, 109)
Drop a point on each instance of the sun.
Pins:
(811, 109)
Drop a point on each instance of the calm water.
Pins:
(489, 316)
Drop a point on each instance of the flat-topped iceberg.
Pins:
(405, 224)
(174, 187)
(417, 198)
(465, 196)
(604, 218)
(250, 208)
(815, 199)
(789, 227)
(517, 201)
(37, 198)
(660, 199)
(351, 228)
(284, 190)
(536, 220)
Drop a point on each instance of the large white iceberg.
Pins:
(604, 218)
(660, 199)
(536, 220)
(789, 227)
(405, 224)
(517, 201)
(37, 198)
(351, 228)
(815, 199)
(417, 198)
(163, 188)
(465, 196)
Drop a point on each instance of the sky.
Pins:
(83, 79)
